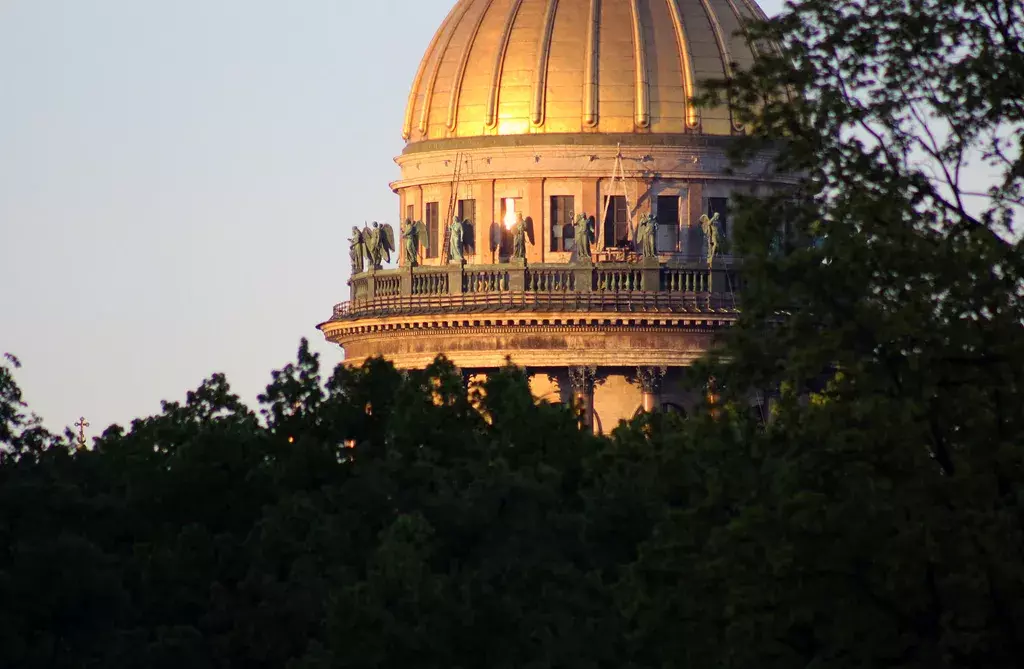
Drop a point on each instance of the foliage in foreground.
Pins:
(387, 519)
(378, 519)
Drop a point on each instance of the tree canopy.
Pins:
(377, 518)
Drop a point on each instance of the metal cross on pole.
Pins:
(81, 425)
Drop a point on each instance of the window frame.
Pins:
(612, 222)
(674, 225)
(562, 212)
(469, 240)
(430, 245)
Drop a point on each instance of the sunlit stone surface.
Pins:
(547, 109)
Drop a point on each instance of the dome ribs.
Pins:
(739, 36)
(716, 30)
(410, 106)
(540, 80)
(685, 61)
(590, 66)
(741, 20)
(453, 98)
(534, 67)
(428, 94)
(723, 47)
(642, 96)
(756, 11)
(499, 61)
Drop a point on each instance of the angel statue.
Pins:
(412, 233)
(356, 249)
(519, 237)
(710, 228)
(583, 235)
(380, 242)
(455, 230)
(647, 236)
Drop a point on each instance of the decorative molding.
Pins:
(642, 93)
(460, 73)
(590, 66)
(582, 379)
(650, 378)
(686, 63)
(540, 80)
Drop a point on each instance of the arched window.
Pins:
(670, 407)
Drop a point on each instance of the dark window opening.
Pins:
(562, 213)
(430, 243)
(616, 222)
(509, 208)
(467, 214)
(668, 222)
(410, 212)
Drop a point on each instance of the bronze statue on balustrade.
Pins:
(412, 233)
(647, 236)
(710, 228)
(520, 231)
(583, 233)
(379, 241)
(455, 242)
(356, 250)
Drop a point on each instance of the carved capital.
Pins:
(650, 378)
(582, 379)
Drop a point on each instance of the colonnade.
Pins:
(582, 379)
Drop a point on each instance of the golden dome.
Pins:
(514, 67)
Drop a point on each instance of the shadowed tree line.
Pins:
(387, 519)
(377, 519)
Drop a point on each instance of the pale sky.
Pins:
(177, 178)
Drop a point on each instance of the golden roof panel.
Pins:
(512, 67)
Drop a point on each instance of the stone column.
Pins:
(535, 209)
(485, 217)
(712, 396)
(650, 379)
(582, 381)
(694, 237)
(465, 376)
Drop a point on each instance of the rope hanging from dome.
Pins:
(617, 169)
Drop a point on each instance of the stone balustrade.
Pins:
(648, 285)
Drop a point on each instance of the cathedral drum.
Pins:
(555, 196)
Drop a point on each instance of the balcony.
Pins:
(673, 287)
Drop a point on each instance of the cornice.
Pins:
(570, 161)
(591, 139)
(363, 333)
